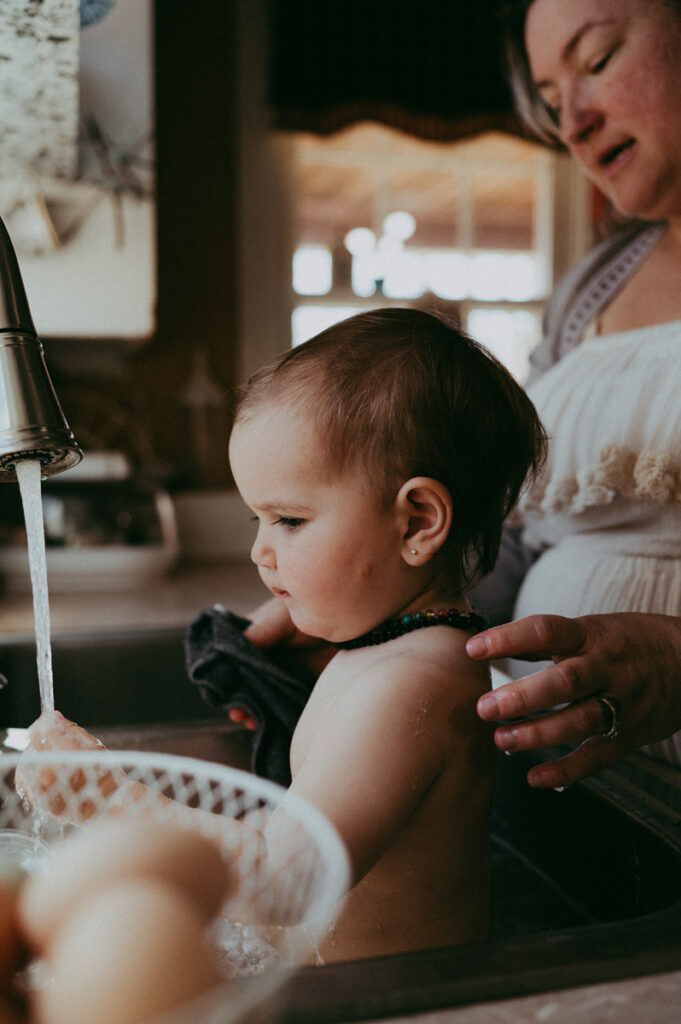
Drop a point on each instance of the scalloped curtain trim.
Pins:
(649, 475)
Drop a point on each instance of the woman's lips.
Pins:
(278, 592)
(613, 159)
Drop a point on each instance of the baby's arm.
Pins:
(366, 767)
(266, 848)
(369, 762)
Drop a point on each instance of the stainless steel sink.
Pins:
(586, 883)
(586, 888)
(103, 679)
(208, 739)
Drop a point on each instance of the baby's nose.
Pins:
(262, 554)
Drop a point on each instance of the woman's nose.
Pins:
(579, 117)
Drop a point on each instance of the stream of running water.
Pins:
(28, 474)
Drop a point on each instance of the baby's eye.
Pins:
(290, 522)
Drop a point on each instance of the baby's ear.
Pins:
(424, 506)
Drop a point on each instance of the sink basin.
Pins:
(586, 888)
(129, 688)
(586, 883)
(102, 679)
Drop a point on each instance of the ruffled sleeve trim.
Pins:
(618, 471)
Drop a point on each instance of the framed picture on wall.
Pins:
(77, 149)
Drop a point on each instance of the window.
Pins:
(383, 218)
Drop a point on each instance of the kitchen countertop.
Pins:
(653, 999)
(171, 601)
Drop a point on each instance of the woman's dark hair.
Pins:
(400, 393)
(529, 103)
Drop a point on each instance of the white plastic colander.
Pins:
(304, 883)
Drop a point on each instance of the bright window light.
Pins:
(448, 274)
(306, 321)
(312, 270)
(499, 276)
(367, 269)
(360, 240)
(406, 273)
(509, 334)
(404, 276)
(400, 225)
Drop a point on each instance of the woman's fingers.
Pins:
(632, 657)
(624, 666)
(572, 724)
(592, 756)
(562, 683)
(534, 638)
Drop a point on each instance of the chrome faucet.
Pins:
(32, 425)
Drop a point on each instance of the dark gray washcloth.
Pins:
(269, 685)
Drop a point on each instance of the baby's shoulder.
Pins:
(394, 697)
(432, 665)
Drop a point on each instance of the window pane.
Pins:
(517, 277)
(306, 321)
(312, 270)
(509, 334)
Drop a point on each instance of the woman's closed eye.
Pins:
(553, 113)
(599, 65)
(551, 103)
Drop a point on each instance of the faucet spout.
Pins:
(32, 424)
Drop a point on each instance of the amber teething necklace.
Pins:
(393, 628)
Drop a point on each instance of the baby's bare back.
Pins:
(391, 749)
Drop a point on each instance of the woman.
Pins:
(604, 78)
(601, 533)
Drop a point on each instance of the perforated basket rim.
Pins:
(325, 835)
(227, 1003)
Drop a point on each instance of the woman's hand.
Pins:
(270, 626)
(632, 660)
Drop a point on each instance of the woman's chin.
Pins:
(644, 206)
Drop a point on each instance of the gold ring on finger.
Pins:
(610, 710)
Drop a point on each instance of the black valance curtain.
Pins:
(430, 67)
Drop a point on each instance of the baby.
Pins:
(380, 460)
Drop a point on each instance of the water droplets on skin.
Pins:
(28, 475)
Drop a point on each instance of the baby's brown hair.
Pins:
(401, 393)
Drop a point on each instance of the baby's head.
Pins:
(398, 394)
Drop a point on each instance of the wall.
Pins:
(195, 85)
(223, 243)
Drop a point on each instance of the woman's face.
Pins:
(610, 70)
